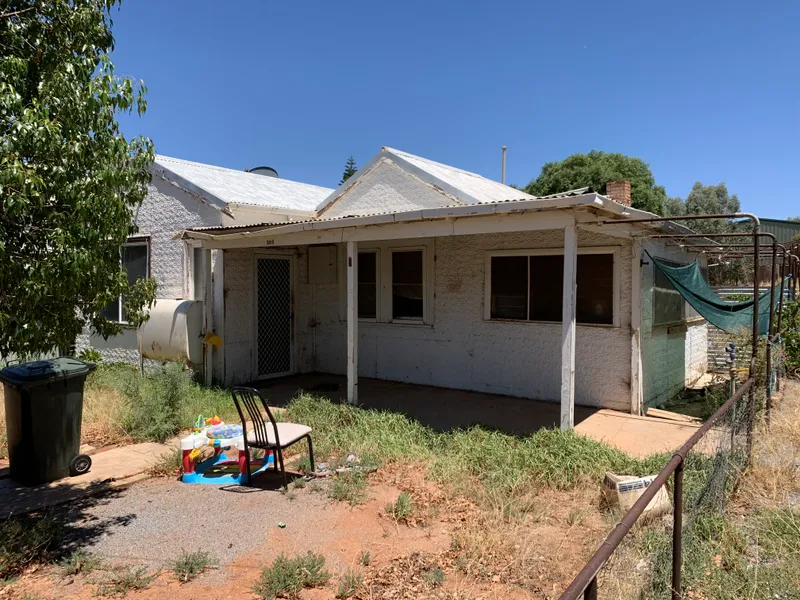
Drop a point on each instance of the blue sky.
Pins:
(700, 90)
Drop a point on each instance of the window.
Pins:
(669, 307)
(368, 285)
(407, 285)
(135, 257)
(394, 282)
(525, 286)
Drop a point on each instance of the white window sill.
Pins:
(369, 323)
(559, 323)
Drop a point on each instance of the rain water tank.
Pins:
(174, 332)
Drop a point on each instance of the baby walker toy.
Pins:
(218, 469)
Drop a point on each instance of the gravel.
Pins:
(153, 521)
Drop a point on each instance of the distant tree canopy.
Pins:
(595, 170)
(706, 200)
(349, 169)
(793, 219)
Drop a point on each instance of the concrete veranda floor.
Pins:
(446, 409)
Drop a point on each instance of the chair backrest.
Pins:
(252, 402)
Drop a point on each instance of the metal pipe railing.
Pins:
(586, 581)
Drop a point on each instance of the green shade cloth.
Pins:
(728, 316)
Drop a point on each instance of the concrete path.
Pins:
(111, 469)
(638, 436)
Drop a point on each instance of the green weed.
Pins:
(28, 540)
(348, 585)
(402, 508)
(433, 576)
(350, 486)
(286, 577)
(80, 561)
(128, 579)
(190, 564)
(168, 464)
(487, 465)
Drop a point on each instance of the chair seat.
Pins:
(287, 432)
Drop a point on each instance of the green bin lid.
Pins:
(43, 371)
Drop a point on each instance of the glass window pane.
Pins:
(667, 302)
(595, 298)
(509, 287)
(546, 287)
(407, 286)
(134, 261)
(367, 285)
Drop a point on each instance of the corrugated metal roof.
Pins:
(474, 188)
(239, 187)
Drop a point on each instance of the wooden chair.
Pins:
(267, 435)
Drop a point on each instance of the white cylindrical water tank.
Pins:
(174, 332)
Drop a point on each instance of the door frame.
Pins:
(290, 257)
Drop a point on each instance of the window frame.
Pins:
(384, 270)
(390, 289)
(616, 301)
(131, 242)
(685, 318)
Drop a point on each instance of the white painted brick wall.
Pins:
(460, 350)
(384, 189)
(164, 212)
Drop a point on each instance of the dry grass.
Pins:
(776, 451)
(102, 408)
(101, 423)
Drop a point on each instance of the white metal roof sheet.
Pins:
(239, 187)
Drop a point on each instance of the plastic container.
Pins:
(44, 408)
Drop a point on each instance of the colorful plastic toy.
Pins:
(218, 469)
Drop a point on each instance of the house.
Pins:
(184, 194)
(419, 272)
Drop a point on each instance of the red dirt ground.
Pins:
(531, 557)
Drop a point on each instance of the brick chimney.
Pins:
(619, 191)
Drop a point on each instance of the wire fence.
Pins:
(663, 556)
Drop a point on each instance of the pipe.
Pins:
(677, 532)
(751, 395)
(770, 328)
(503, 176)
(598, 560)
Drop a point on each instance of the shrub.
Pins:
(168, 464)
(80, 561)
(90, 355)
(348, 585)
(190, 564)
(402, 508)
(287, 576)
(350, 486)
(121, 581)
(28, 540)
(433, 576)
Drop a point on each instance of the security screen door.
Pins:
(274, 316)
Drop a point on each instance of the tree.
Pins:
(595, 170)
(69, 179)
(793, 219)
(707, 200)
(349, 169)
